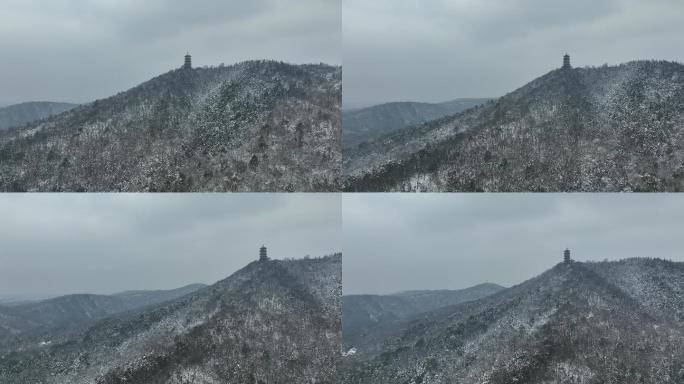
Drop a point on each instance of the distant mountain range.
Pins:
(366, 124)
(43, 317)
(253, 126)
(608, 322)
(24, 113)
(617, 128)
(365, 317)
(270, 322)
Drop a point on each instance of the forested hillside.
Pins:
(253, 126)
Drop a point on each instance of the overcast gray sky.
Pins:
(82, 50)
(397, 50)
(396, 242)
(54, 244)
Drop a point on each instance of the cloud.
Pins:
(99, 243)
(52, 50)
(443, 49)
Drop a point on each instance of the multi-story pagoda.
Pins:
(188, 62)
(566, 256)
(566, 62)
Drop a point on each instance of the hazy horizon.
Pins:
(58, 244)
(401, 242)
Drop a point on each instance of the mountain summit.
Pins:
(253, 126)
(617, 128)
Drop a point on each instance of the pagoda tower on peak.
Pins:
(188, 61)
(566, 62)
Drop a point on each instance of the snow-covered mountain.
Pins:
(609, 322)
(617, 128)
(24, 113)
(253, 126)
(270, 322)
(367, 124)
